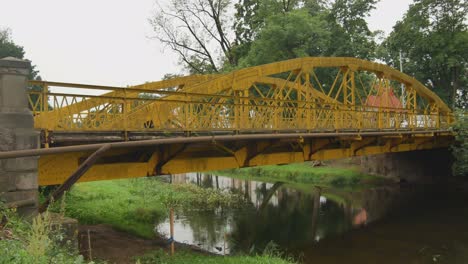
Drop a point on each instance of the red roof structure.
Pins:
(386, 99)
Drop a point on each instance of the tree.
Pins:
(286, 36)
(198, 31)
(344, 19)
(433, 38)
(9, 49)
(251, 16)
(351, 34)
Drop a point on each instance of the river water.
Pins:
(390, 224)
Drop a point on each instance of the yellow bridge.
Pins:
(285, 112)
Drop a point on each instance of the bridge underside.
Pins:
(206, 153)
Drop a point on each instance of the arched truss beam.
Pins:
(244, 78)
(240, 79)
(162, 109)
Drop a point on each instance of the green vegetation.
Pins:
(304, 173)
(135, 205)
(9, 49)
(460, 149)
(433, 38)
(188, 257)
(265, 31)
(40, 241)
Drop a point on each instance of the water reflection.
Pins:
(290, 217)
(426, 225)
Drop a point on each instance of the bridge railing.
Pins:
(129, 109)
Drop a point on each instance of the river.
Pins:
(390, 224)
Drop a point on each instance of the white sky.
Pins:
(106, 41)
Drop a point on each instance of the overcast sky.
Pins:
(107, 41)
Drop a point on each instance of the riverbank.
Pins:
(123, 248)
(343, 175)
(121, 216)
(127, 211)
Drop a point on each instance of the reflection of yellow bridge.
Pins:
(285, 112)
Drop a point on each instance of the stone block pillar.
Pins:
(420, 166)
(18, 177)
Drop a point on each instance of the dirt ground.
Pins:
(118, 247)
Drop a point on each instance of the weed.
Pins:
(189, 257)
(33, 242)
(38, 239)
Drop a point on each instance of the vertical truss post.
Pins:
(190, 109)
(349, 87)
(45, 110)
(350, 98)
(236, 110)
(186, 114)
(125, 109)
(307, 101)
(411, 106)
(244, 119)
(435, 115)
(45, 99)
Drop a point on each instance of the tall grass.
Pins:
(36, 241)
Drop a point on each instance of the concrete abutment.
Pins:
(421, 166)
(18, 177)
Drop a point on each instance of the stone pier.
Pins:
(18, 177)
(422, 166)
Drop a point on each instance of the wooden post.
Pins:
(171, 219)
(224, 244)
(90, 254)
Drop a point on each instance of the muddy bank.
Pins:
(119, 247)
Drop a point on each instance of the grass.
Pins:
(188, 257)
(304, 173)
(135, 205)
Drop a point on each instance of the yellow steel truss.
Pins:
(283, 95)
(299, 95)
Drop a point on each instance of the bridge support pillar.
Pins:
(18, 177)
(421, 166)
